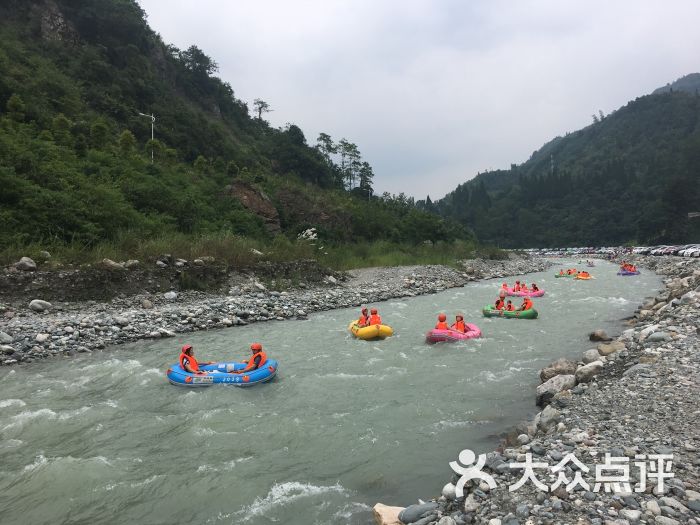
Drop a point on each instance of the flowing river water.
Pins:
(104, 438)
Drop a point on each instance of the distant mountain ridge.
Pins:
(629, 177)
(688, 83)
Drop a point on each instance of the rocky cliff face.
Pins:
(257, 202)
(53, 24)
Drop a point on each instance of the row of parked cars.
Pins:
(686, 250)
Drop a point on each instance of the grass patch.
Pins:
(240, 252)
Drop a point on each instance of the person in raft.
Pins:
(534, 288)
(509, 306)
(258, 359)
(374, 318)
(364, 318)
(516, 288)
(459, 325)
(188, 361)
(499, 304)
(527, 304)
(442, 323)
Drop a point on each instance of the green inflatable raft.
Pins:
(490, 311)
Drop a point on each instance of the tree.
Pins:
(261, 107)
(16, 108)
(324, 143)
(196, 61)
(349, 162)
(366, 175)
(60, 126)
(295, 134)
(126, 142)
(99, 132)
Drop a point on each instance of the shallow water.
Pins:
(104, 438)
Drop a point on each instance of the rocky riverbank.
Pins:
(631, 398)
(33, 328)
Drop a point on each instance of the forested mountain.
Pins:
(79, 80)
(688, 83)
(629, 177)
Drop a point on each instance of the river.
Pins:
(104, 438)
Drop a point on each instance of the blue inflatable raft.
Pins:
(220, 374)
(626, 272)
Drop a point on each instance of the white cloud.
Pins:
(433, 91)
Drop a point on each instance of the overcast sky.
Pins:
(434, 91)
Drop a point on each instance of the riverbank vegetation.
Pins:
(239, 252)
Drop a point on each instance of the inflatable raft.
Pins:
(490, 311)
(626, 272)
(372, 332)
(584, 277)
(439, 336)
(564, 275)
(219, 374)
(512, 293)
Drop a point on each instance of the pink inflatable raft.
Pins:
(449, 335)
(511, 293)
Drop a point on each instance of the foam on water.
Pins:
(12, 403)
(28, 416)
(283, 494)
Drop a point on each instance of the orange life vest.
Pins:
(375, 319)
(363, 320)
(527, 304)
(263, 360)
(459, 326)
(442, 325)
(194, 366)
(510, 307)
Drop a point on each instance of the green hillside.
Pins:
(75, 153)
(630, 177)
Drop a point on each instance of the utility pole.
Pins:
(153, 121)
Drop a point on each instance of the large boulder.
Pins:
(547, 418)
(26, 265)
(385, 515)
(591, 355)
(586, 373)
(547, 390)
(610, 348)
(109, 264)
(559, 367)
(5, 339)
(599, 335)
(40, 306)
(413, 513)
(658, 337)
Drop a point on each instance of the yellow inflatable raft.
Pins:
(376, 331)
